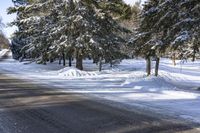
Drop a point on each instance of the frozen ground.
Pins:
(3, 52)
(175, 92)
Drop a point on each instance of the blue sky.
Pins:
(9, 18)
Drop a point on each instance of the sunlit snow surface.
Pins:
(175, 92)
(3, 52)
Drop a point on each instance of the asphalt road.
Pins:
(30, 108)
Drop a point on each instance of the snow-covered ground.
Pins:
(176, 92)
(3, 52)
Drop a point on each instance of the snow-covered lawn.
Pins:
(3, 52)
(175, 92)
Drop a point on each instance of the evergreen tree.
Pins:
(4, 42)
(73, 28)
(132, 22)
(19, 2)
(168, 26)
(1, 25)
(18, 41)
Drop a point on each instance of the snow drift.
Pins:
(71, 72)
(3, 52)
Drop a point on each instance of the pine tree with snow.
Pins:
(1, 25)
(168, 26)
(73, 28)
(89, 31)
(4, 42)
(19, 38)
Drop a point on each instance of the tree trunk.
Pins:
(148, 66)
(100, 64)
(174, 59)
(70, 61)
(193, 55)
(44, 58)
(157, 66)
(51, 60)
(64, 59)
(95, 60)
(79, 61)
(60, 58)
(21, 58)
(111, 63)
